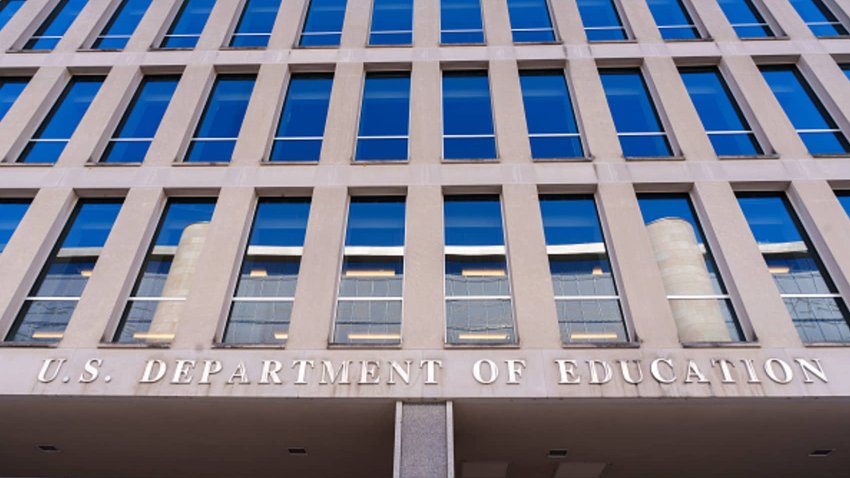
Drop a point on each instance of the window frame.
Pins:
(234, 27)
(308, 4)
(279, 110)
(696, 24)
(553, 27)
(580, 132)
(483, 30)
(625, 26)
(357, 136)
(472, 70)
(370, 31)
(768, 22)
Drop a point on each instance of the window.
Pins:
(122, 25)
(8, 9)
(673, 20)
(745, 18)
(725, 124)
(154, 307)
(11, 213)
(49, 306)
(47, 36)
(135, 132)
(392, 22)
(188, 24)
(813, 123)
(701, 306)
(552, 128)
(368, 309)
(10, 89)
(846, 70)
(384, 117)
(816, 308)
(478, 292)
(819, 18)
(56, 130)
(467, 116)
(844, 199)
(215, 136)
(601, 20)
(265, 291)
(639, 128)
(255, 25)
(585, 290)
(460, 22)
(323, 25)
(530, 21)
(302, 120)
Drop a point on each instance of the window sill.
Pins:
(267, 162)
(470, 161)
(831, 156)
(370, 162)
(243, 48)
(773, 38)
(748, 157)
(449, 45)
(643, 159)
(834, 37)
(196, 164)
(25, 165)
(316, 47)
(584, 159)
(611, 42)
(21, 50)
(98, 164)
(689, 40)
(224, 346)
(104, 345)
(823, 345)
(161, 48)
(721, 345)
(95, 50)
(538, 43)
(602, 345)
(331, 346)
(448, 346)
(400, 45)
(29, 345)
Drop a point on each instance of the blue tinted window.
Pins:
(392, 22)
(11, 213)
(53, 298)
(601, 20)
(818, 311)
(135, 133)
(188, 24)
(638, 126)
(302, 121)
(218, 129)
(460, 22)
(745, 18)
(375, 221)
(723, 121)
(813, 123)
(846, 70)
(384, 117)
(844, 199)
(819, 18)
(473, 221)
(530, 21)
(10, 89)
(467, 116)
(56, 130)
(570, 220)
(673, 20)
(255, 25)
(8, 9)
(552, 129)
(323, 25)
(50, 32)
(122, 24)
(280, 222)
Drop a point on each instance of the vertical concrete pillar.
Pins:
(23, 23)
(262, 114)
(155, 22)
(714, 20)
(80, 30)
(220, 24)
(567, 21)
(341, 126)
(424, 440)
(592, 111)
(287, 27)
(355, 27)
(830, 85)
(789, 20)
(497, 23)
(426, 112)
(640, 21)
(29, 110)
(426, 23)
(509, 112)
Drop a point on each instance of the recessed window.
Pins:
(384, 117)
(369, 304)
(52, 300)
(817, 310)
(601, 19)
(392, 22)
(467, 116)
(187, 26)
(806, 112)
(819, 18)
(121, 26)
(8, 9)
(552, 128)
(746, 19)
(844, 199)
(50, 139)
(135, 132)
(11, 213)
(638, 125)
(725, 124)
(479, 309)
(302, 120)
(154, 307)
(48, 35)
(701, 305)
(530, 21)
(323, 24)
(255, 25)
(216, 134)
(10, 89)
(262, 303)
(460, 22)
(673, 19)
(586, 296)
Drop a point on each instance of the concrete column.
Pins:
(638, 278)
(684, 273)
(830, 84)
(29, 110)
(531, 284)
(426, 111)
(509, 112)
(355, 27)
(423, 327)
(341, 125)
(592, 111)
(714, 20)
(424, 440)
(567, 21)
(426, 23)
(262, 114)
(220, 24)
(742, 266)
(20, 26)
(105, 295)
(154, 24)
(80, 30)
(23, 257)
(789, 20)
(315, 294)
(640, 21)
(497, 23)
(287, 26)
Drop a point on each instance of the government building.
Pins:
(424, 238)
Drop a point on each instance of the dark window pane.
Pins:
(844, 199)
(530, 21)
(635, 117)
(460, 22)
(745, 18)
(819, 18)
(323, 25)
(392, 22)
(467, 116)
(188, 24)
(255, 25)
(302, 121)
(473, 221)
(122, 24)
(384, 117)
(673, 20)
(552, 128)
(10, 89)
(11, 213)
(601, 20)
(48, 35)
(215, 136)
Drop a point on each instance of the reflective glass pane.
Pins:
(819, 18)
(11, 213)
(530, 21)
(188, 24)
(371, 276)
(479, 322)
(467, 116)
(552, 127)
(745, 18)
(10, 89)
(8, 9)
(392, 22)
(255, 25)
(473, 221)
(323, 25)
(375, 221)
(601, 20)
(673, 20)
(302, 121)
(215, 136)
(47, 36)
(384, 117)
(460, 22)
(122, 24)
(634, 113)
